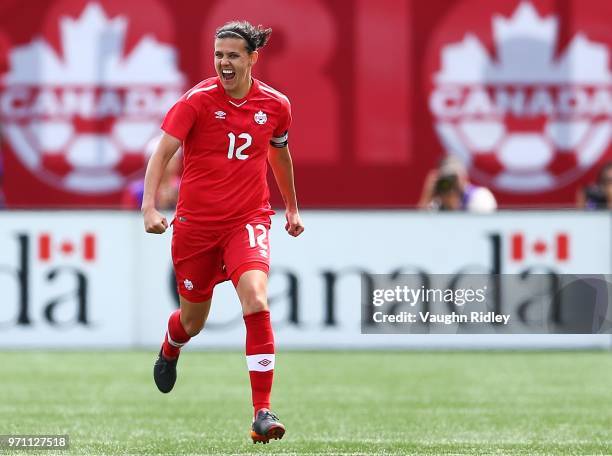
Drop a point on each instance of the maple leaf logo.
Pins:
(92, 49)
(525, 37)
(525, 119)
(81, 119)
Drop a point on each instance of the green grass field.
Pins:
(340, 403)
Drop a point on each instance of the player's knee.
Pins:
(255, 301)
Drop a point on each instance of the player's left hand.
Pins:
(294, 225)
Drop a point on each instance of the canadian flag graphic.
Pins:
(523, 247)
(48, 247)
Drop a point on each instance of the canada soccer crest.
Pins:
(525, 110)
(79, 115)
(260, 117)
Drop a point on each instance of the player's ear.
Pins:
(254, 56)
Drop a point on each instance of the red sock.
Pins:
(260, 357)
(176, 336)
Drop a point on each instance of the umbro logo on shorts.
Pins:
(188, 284)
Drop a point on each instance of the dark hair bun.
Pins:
(255, 37)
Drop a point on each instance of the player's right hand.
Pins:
(154, 222)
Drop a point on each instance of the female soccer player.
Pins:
(228, 126)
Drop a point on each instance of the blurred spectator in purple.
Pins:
(448, 188)
(598, 195)
(168, 189)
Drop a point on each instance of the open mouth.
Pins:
(228, 75)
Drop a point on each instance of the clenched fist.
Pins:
(154, 222)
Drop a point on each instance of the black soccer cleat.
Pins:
(266, 427)
(164, 373)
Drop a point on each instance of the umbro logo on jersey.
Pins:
(220, 115)
(260, 117)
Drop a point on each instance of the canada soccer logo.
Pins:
(80, 119)
(525, 111)
(260, 117)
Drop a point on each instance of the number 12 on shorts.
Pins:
(258, 240)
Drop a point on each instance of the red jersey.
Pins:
(225, 147)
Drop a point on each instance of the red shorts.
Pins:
(203, 258)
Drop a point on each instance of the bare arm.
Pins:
(155, 222)
(282, 167)
(427, 193)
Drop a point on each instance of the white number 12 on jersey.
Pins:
(231, 151)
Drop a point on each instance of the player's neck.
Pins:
(241, 91)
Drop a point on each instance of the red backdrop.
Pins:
(359, 75)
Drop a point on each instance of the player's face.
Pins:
(233, 64)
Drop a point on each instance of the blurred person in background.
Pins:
(447, 188)
(167, 193)
(598, 195)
